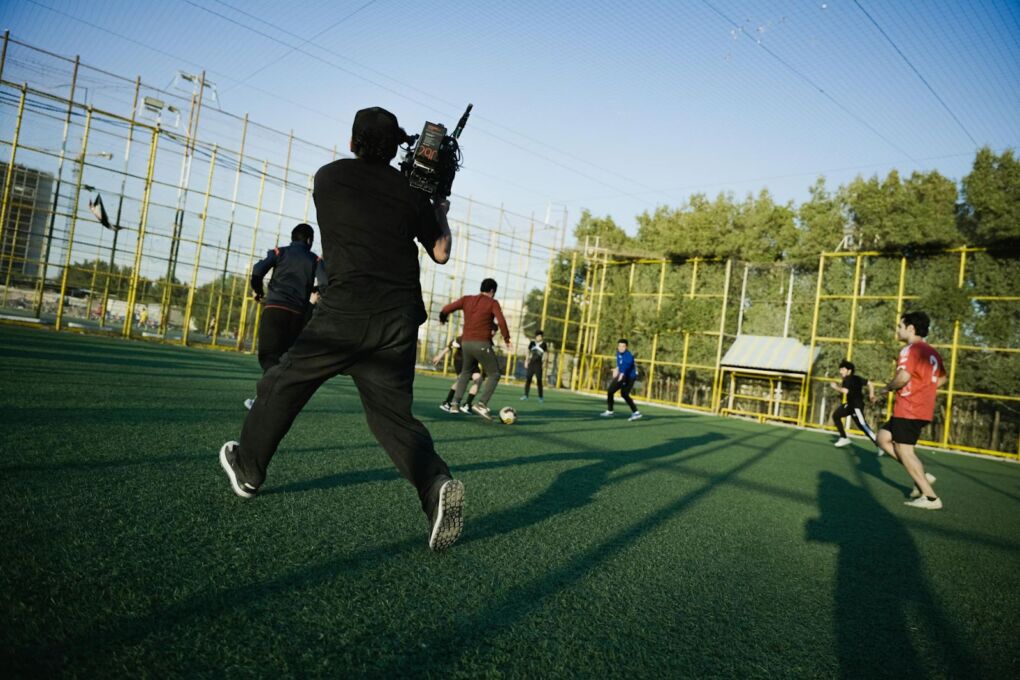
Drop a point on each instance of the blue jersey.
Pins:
(625, 364)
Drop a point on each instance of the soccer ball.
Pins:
(507, 415)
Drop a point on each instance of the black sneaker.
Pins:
(228, 461)
(446, 519)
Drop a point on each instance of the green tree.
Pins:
(990, 214)
(896, 214)
(820, 224)
(604, 229)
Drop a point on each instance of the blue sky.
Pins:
(612, 106)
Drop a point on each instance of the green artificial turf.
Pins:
(679, 546)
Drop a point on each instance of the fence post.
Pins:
(717, 396)
(140, 241)
(853, 307)
(198, 251)
(56, 189)
(566, 319)
(241, 331)
(655, 338)
(230, 237)
(74, 216)
(581, 328)
(806, 393)
(120, 205)
(9, 175)
(953, 354)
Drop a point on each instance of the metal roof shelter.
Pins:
(754, 359)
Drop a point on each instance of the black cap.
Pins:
(377, 123)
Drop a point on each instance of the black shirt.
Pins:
(369, 218)
(855, 394)
(536, 350)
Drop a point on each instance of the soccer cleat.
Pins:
(228, 461)
(482, 410)
(881, 453)
(925, 504)
(464, 408)
(446, 519)
(916, 493)
(842, 441)
(524, 398)
(541, 400)
(248, 403)
(446, 407)
(607, 414)
(636, 415)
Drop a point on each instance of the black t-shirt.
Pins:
(536, 350)
(855, 396)
(369, 219)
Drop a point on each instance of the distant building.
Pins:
(25, 223)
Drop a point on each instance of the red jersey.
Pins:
(479, 311)
(916, 399)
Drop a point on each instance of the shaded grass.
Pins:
(680, 545)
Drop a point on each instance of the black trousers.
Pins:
(534, 371)
(623, 386)
(278, 330)
(857, 414)
(378, 352)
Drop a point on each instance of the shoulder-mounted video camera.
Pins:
(432, 158)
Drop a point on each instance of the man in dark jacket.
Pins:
(366, 326)
(479, 313)
(297, 273)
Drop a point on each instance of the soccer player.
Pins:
(298, 274)
(536, 361)
(624, 376)
(480, 311)
(919, 373)
(852, 388)
(366, 326)
(458, 364)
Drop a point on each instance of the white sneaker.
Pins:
(916, 493)
(248, 403)
(881, 453)
(607, 414)
(842, 441)
(446, 407)
(524, 398)
(464, 408)
(924, 503)
(636, 415)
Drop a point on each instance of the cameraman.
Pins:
(366, 327)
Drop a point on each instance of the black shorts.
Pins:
(905, 430)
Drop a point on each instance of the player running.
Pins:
(852, 387)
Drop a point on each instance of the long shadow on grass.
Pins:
(869, 464)
(882, 601)
(63, 654)
(576, 487)
(470, 633)
(355, 477)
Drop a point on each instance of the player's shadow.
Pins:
(868, 463)
(577, 487)
(885, 612)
